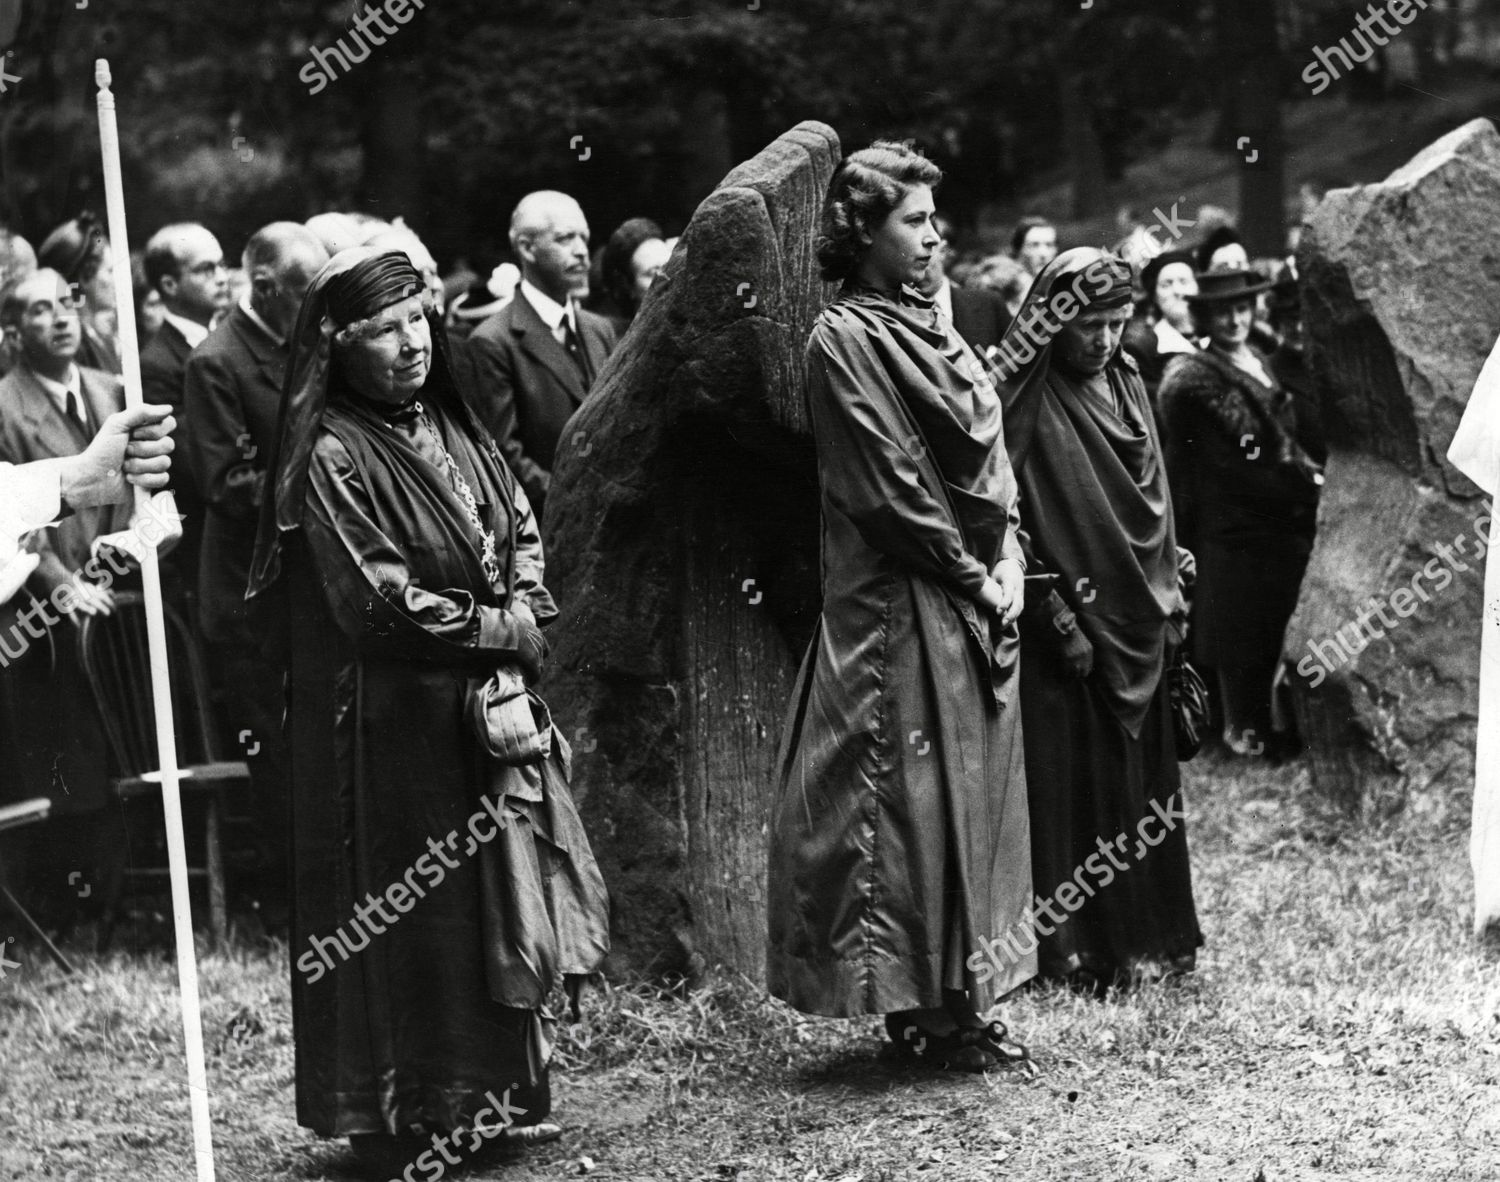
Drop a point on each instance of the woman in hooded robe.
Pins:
(898, 844)
(1109, 848)
(442, 883)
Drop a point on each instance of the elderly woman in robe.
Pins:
(898, 842)
(1109, 848)
(442, 881)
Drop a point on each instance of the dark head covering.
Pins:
(1219, 287)
(1095, 279)
(353, 285)
(1218, 237)
(69, 247)
(1094, 495)
(1152, 272)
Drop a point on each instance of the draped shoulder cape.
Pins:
(873, 342)
(1475, 452)
(1094, 503)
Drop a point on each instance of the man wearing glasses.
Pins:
(185, 263)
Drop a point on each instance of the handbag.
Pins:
(512, 723)
(1190, 713)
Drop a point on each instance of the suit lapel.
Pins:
(536, 339)
(49, 425)
(269, 359)
(101, 393)
(591, 330)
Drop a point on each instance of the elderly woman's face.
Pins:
(391, 363)
(1089, 340)
(1229, 324)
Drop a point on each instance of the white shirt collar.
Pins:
(192, 332)
(943, 298)
(59, 391)
(551, 312)
(258, 321)
(1169, 339)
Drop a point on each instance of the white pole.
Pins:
(156, 633)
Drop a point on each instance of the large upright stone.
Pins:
(1401, 296)
(683, 547)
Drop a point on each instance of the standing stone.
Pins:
(1401, 301)
(682, 528)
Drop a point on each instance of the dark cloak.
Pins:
(899, 835)
(369, 568)
(1095, 501)
(1095, 509)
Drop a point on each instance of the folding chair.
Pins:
(116, 660)
(12, 816)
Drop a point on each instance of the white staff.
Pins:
(156, 633)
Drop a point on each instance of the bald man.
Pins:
(232, 385)
(531, 364)
(185, 263)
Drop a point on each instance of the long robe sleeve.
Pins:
(370, 588)
(530, 566)
(882, 491)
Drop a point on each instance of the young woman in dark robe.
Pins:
(1247, 493)
(899, 841)
(399, 564)
(1101, 767)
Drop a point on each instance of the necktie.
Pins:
(74, 412)
(575, 350)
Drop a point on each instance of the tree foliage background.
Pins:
(475, 102)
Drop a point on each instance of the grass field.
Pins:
(1342, 1025)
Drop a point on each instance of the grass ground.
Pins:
(1342, 1025)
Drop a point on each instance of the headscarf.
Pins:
(1095, 279)
(1094, 494)
(353, 285)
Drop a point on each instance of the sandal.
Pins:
(951, 1052)
(994, 1037)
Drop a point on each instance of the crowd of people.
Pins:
(363, 454)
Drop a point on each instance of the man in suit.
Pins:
(233, 387)
(532, 362)
(185, 263)
(979, 314)
(51, 407)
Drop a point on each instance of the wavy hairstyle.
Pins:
(867, 186)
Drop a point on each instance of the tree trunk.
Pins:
(393, 134)
(1251, 52)
(1085, 153)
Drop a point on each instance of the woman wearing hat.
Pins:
(1100, 627)
(1247, 501)
(442, 882)
(1164, 326)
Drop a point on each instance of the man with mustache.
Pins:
(534, 360)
